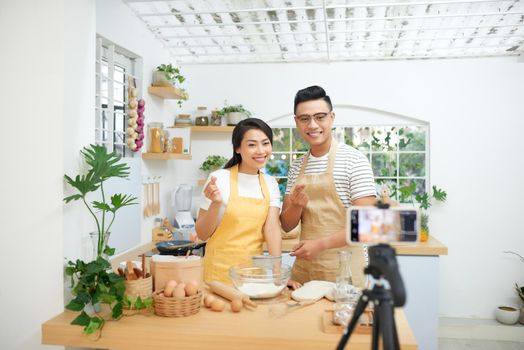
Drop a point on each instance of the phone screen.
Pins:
(374, 225)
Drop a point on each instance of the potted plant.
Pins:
(212, 163)
(519, 289)
(93, 283)
(424, 201)
(234, 114)
(167, 75)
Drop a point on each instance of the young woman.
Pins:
(240, 205)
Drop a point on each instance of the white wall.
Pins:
(475, 110)
(32, 147)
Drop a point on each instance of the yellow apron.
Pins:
(324, 215)
(239, 234)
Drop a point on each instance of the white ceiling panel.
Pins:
(227, 31)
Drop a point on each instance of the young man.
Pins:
(321, 186)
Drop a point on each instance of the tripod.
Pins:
(382, 258)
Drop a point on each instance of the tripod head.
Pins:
(383, 263)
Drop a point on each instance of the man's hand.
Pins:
(298, 196)
(307, 249)
(212, 192)
(293, 284)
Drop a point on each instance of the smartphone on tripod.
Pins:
(372, 225)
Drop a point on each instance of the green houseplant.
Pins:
(168, 75)
(234, 114)
(519, 289)
(423, 200)
(93, 283)
(212, 163)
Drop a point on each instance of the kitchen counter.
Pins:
(217, 330)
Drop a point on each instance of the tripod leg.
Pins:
(395, 335)
(387, 324)
(376, 328)
(359, 309)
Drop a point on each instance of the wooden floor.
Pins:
(474, 344)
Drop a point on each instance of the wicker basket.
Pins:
(142, 287)
(173, 307)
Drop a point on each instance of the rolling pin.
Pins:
(230, 293)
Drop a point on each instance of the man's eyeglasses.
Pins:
(305, 119)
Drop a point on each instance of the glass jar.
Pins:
(216, 119)
(155, 137)
(344, 290)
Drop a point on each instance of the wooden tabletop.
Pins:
(431, 247)
(300, 329)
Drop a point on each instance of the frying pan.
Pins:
(179, 247)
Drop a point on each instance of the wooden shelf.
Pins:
(166, 92)
(165, 156)
(206, 129)
(201, 182)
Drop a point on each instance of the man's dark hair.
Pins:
(311, 93)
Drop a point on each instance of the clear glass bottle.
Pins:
(344, 282)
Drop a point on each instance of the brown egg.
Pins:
(180, 291)
(169, 288)
(191, 289)
(208, 300)
(218, 305)
(236, 305)
(195, 283)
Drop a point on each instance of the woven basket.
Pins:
(173, 307)
(142, 287)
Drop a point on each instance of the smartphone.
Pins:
(373, 225)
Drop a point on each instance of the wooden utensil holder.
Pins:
(142, 287)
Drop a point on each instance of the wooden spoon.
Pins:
(146, 207)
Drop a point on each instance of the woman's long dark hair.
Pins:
(239, 132)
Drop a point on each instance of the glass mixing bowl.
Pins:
(260, 282)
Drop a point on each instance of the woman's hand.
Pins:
(212, 192)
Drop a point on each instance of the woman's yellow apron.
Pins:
(239, 234)
(324, 215)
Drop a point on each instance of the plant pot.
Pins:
(507, 315)
(159, 79)
(233, 118)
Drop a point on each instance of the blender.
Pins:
(181, 200)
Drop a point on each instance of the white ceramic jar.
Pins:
(507, 314)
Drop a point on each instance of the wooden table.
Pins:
(300, 329)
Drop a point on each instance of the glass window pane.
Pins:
(278, 165)
(391, 185)
(412, 138)
(281, 140)
(384, 138)
(359, 138)
(298, 142)
(412, 164)
(282, 183)
(420, 185)
(384, 164)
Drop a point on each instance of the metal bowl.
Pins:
(259, 282)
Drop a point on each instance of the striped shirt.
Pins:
(352, 173)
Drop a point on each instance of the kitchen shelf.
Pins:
(206, 129)
(165, 156)
(201, 182)
(166, 92)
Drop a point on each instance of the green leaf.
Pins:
(70, 271)
(104, 165)
(81, 320)
(101, 206)
(423, 200)
(148, 302)
(119, 200)
(117, 310)
(109, 251)
(439, 194)
(83, 184)
(138, 303)
(94, 324)
(107, 298)
(75, 305)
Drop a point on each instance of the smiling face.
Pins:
(255, 150)
(314, 121)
